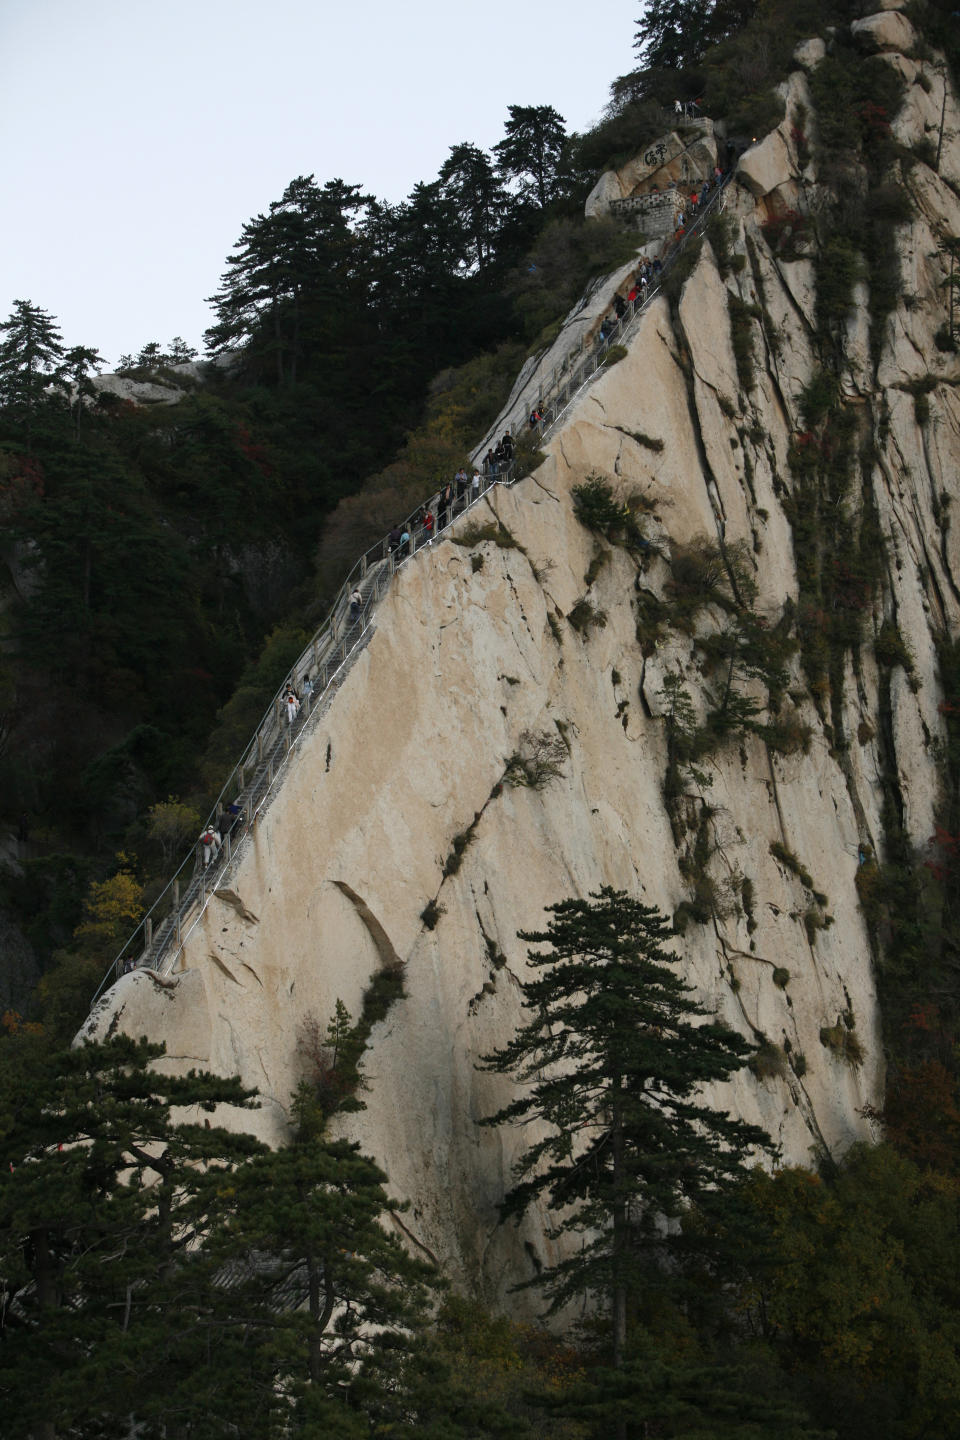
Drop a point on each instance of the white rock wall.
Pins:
(464, 662)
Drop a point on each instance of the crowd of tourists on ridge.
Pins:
(449, 501)
(649, 271)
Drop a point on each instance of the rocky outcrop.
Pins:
(887, 30)
(399, 835)
(774, 163)
(673, 161)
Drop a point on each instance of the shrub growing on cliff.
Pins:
(539, 759)
(595, 507)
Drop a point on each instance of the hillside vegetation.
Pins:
(164, 563)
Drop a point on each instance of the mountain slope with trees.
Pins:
(774, 647)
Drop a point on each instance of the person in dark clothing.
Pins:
(229, 816)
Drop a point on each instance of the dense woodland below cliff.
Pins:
(162, 566)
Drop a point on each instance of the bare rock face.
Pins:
(809, 53)
(400, 836)
(671, 160)
(887, 30)
(773, 162)
(139, 392)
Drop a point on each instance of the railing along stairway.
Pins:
(158, 940)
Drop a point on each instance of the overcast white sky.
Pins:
(136, 138)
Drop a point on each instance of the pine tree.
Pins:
(330, 1300)
(611, 1062)
(110, 1187)
(532, 151)
(673, 33)
(78, 363)
(180, 353)
(468, 179)
(294, 269)
(31, 360)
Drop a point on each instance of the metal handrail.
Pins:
(565, 386)
(327, 654)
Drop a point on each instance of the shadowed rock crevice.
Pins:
(381, 940)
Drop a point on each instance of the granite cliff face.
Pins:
(474, 663)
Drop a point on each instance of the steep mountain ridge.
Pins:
(539, 651)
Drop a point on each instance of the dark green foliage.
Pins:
(460, 842)
(105, 1200)
(742, 316)
(705, 904)
(704, 574)
(890, 649)
(595, 566)
(596, 508)
(757, 43)
(911, 903)
(258, 682)
(332, 1057)
(857, 1290)
(628, 127)
(842, 1041)
(479, 200)
(613, 1055)
(790, 862)
(169, 1273)
(671, 1385)
(721, 230)
(31, 361)
(674, 33)
(921, 391)
(284, 262)
(567, 253)
(840, 560)
(679, 273)
(653, 617)
(856, 100)
(814, 920)
(584, 617)
(649, 442)
(532, 151)
(430, 914)
(818, 398)
(310, 1214)
(839, 267)
(747, 899)
(769, 1062)
(475, 533)
(541, 758)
